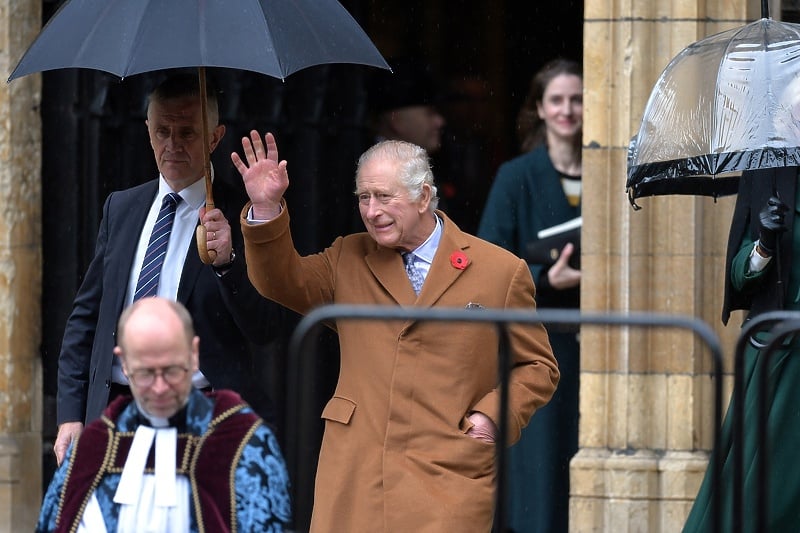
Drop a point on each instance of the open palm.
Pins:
(264, 175)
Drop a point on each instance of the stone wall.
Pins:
(646, 399)
(20, 275)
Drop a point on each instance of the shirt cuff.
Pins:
(757, 262)
(252, 220)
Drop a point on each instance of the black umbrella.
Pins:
(725, 104)
(127, 37)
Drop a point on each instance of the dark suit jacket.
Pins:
(755, 188)
(228, 313)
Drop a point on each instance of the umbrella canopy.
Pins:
(726, 103)
(126, 37)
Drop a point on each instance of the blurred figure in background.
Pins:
(471, 149)
(535, 191)
(410, 104)
(404, 105)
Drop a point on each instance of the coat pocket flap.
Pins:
(339, 409)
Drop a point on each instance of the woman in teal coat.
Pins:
(534, 191)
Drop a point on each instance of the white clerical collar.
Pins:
(130, 483)
(155, 421)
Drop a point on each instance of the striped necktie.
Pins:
(156, 248)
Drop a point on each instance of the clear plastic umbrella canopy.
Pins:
(726, 103)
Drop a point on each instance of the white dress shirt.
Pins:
(193, 198)
(423, 254)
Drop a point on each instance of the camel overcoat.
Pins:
(395, 456)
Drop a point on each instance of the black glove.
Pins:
(771, 223)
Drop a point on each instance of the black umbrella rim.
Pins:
(713, 186)
(714, 175)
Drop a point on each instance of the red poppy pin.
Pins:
(459, 260)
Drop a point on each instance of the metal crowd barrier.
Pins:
(501, 318)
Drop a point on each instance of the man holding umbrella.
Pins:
(146, 247)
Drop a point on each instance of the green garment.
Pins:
(782, 440)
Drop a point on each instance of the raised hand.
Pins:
(264, 175)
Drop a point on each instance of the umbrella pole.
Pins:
(206, 256)
(778, 274)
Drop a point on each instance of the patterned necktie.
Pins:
(156, 248)
(414, 275)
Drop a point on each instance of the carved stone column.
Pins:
(645, 400)
(20, 274)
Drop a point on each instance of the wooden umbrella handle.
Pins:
(206, 256)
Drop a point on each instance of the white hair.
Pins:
(414, 170)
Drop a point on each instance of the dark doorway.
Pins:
(94, 142)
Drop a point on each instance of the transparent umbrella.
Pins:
(726, 103)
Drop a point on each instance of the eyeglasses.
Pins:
(144, 377)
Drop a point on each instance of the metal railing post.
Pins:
(502, 317)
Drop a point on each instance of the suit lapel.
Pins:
(125, 228)
(192, 266)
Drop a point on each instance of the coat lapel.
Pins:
(442, 273)
(387, 267)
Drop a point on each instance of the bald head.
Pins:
(152, 309)
(159, 353)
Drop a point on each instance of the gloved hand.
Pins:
(771, 223)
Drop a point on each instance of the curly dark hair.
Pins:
(530, 128)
